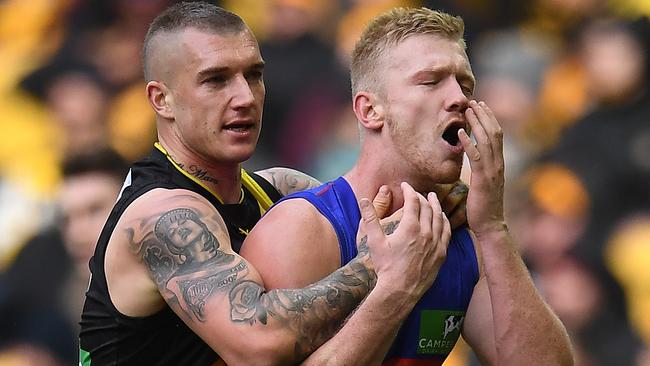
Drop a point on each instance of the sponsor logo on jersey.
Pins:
(439, 331)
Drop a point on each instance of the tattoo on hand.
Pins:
(390, 227)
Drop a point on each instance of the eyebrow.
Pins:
(220, 70)
(445, 70)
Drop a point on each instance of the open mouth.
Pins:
(451, 134)
(238, 127)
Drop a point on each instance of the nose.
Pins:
(242, 95)
(456, 101)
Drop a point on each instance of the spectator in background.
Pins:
(628, 255)
(510, 65)
(605, 153)
(43, 289)
(76, 96)
(308, 86)
(607, 149)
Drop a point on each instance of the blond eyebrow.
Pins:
(462, 77)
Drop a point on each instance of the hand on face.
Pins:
(407, 257)
(485, 199)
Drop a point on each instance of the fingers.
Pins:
(472, 152)
(440, 226)
(446, 231)
(436, 224)
(490, 125)
(427, 215)
(485, 128)
(487, 133)
(478, 131)
(370, 222)
(382, 201)
(411, 204)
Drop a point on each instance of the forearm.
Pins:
(368, 333)
(526, 330)
(312, 315)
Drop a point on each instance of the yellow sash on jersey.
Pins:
(262, 198)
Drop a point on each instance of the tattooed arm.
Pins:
(287, 180)
(306, 250)
(184, 246)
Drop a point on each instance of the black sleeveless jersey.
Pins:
(109, 337)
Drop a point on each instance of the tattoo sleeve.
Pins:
(189, 266)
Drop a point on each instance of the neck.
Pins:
(371, 172)
(222, 178)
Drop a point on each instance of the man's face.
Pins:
(86, 201)
(184, 232)
(217, 93)
(427, 81)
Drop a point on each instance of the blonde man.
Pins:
(168, 286)
(412, 94)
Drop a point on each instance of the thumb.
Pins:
(382, 201)
(369, 223)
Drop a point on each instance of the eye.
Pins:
(255, 75)
(467, 86)
(468, 91)
(216, 79)
(431, 82)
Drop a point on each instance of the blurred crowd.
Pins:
(567, 79)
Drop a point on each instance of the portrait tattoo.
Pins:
(189, 267)
(185, 261)
(186, 236)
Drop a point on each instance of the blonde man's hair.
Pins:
(391, 28)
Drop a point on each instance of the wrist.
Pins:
(493, 230)
(365, 264)
(398, 297)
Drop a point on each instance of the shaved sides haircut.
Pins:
(391, 28)
(178, 17)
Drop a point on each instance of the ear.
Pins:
(369, 110)
(160, 99)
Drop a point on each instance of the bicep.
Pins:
(186, 249)
(292, 246)
(287, 181)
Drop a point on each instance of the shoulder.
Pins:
(293, 237)
(295, 211)
(163, 220)
(160, 203)
(287, 180)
